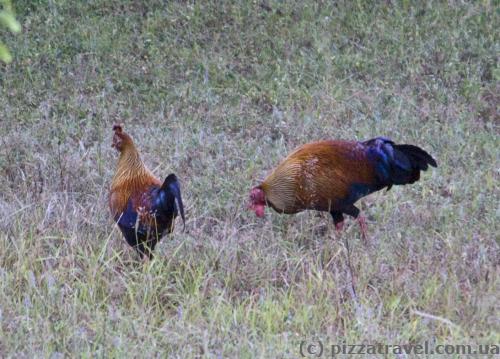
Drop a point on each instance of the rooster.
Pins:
(331, 176)
(143, 207)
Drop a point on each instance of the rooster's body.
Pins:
(332, 175)
(144, 208)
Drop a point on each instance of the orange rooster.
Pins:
(331, 176)
(144, 208)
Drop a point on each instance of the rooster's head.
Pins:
(257, 201)
(120, 139)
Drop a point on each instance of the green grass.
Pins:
(219, 94)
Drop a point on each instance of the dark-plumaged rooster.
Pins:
(331, 176)
(143, 207)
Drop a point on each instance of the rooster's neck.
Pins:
(131, 171)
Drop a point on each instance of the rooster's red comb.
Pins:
(117, 127)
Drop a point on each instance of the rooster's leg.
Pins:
(144, 252)
(338, 220)
(148, 254)
(355, 212)
(363, 227)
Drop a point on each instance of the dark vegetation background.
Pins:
(219, 92)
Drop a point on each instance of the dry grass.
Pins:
(218, 94)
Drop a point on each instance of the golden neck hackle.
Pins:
(131, 171)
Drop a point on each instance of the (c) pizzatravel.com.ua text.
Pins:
(318, 349)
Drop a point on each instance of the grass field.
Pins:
(218, 94)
